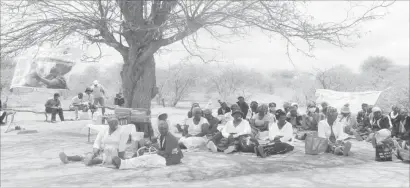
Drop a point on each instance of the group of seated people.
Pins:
(89, 100)
(263, 130)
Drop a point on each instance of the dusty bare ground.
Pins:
(32, 160)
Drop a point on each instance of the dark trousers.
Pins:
(55, 111)
(277, 148)
(3, 115)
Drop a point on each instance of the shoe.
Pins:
(261, 152)
(211, 145)
(229, 150)
(63, 157)
(347, 148)
(53, 121)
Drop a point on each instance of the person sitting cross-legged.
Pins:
(332, 130)
(53, 106)
(109, 143)
(78, 103)
(195, 130)
(280, 137)
(168, 152)
(233, 135)
(213, 122)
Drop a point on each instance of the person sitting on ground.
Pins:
(119, 100)
(194, 130)
(394, 116)
(234, 133)
(53, 106)
(254, 109)
(312, 118)
(110, 142)
(244, 106)
(78, 103)
(286, 107)
(362, 117)
(89, 98)
(272, 108)
(3, 114)
(332, 130)
(324, 106)
(262, 120)
(213, 122)
(223, 109)
(294, 105)
(99, 95)
(294, 118)
(348, 122)
(280, 137)
(402, 131)
(167, 147)
(228, 116)
(194, 105)
(379, 120)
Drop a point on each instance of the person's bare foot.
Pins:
(116, 161)
(211, 145)
(347, 148)
(261, 152)
(63, 157)
(230, 149)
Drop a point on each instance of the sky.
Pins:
(387, 37)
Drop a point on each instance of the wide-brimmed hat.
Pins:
(236, 112)
(345, 109)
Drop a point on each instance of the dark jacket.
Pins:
(244, 108)
(395, 131)
(171, 150)
(119, 101)
(383, 123)
(220, 112)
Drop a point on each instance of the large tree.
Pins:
(137, 29)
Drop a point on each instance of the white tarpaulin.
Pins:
(355, 99)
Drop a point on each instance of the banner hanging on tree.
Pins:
(48, 68)
(355, 99)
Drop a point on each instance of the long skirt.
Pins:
(337, 147)
(243, 143)
(274, 149)
(144, 161)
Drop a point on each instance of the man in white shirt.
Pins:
(333, 130)
(78, 103)
(99, 95)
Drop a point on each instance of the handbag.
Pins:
(315, 145)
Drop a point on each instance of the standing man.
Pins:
(53, 106)
(243, 105)
(99, 95)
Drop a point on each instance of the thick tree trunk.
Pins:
(139, 83)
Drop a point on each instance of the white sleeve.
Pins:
(98, 139)
(73, 100)
(341, 135)
(246, 129)
(224, 131)
(123, 142)
(288, 133)
(321, 130)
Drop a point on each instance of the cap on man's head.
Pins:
(294, 104)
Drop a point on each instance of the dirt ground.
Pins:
(32, 160)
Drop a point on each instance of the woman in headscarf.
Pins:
(349, 123)
(228, 116)
(195, 130)
(312, 118)
(233, 136)
(332, 130)
(110, 142)
(280, 137)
